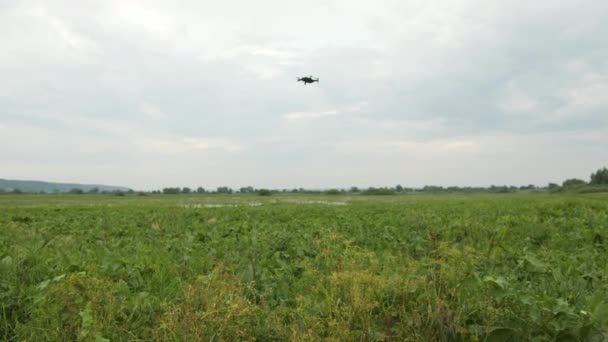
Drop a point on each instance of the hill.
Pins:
(40, 186)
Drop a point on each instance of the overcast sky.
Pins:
(150, 93)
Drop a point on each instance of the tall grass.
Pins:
(395, 268)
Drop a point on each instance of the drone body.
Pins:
(307, 80)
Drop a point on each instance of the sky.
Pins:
(150, 94)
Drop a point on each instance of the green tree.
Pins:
(573, 182)
(224, 190)
(186, 190)
(378, 191)
(264, 192)
(246, 190)
(599, 177)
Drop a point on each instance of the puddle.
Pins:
(316, 202)
(199, 206)
(219, 205)
(257, 204)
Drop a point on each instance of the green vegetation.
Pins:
(600, 177)
(264, 192)
(378, 191)
(405, 267)
(573, 182)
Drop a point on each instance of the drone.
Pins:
(307, 80)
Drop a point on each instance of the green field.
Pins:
(509, 267)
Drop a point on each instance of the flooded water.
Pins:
(257, 204)
(316, 202)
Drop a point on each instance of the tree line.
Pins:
(598, 182)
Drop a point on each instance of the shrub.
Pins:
(378, 191)
(599, 177)
(264, 192)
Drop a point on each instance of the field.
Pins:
(508, 267)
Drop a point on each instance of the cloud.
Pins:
(295, 116)
(151, 111)
(190, 145)
(405, 87)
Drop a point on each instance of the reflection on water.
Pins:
(257, 204)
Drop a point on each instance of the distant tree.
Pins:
(599, 177)
(553, 186)
(501, 189)
(399, 188)
(573, 182)
(76, 191)
(353, 189)
(378, 191)
(246, 190)
(264, 192)
(17, 191)
(200, 190)
(432, 188)
(332, 192)
(171, 191)
(186, 190)
(224, 190)
(94, 191)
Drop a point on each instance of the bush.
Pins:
(171, 191)
(264, 192)
(573, 182)
(599, 177)
(378, 191)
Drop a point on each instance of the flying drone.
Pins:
(308, 79)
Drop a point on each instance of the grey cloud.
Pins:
(215, 82)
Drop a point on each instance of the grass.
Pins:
(450, 267)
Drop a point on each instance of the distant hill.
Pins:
(38, 186)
